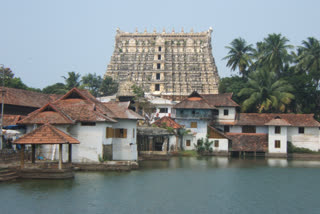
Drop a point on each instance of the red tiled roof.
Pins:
(46, 134)
(278, 122)
(47, 114)
(249, 142)
(220, 100)
(120, 110)
(194, 101)
(76, 105)
(168, 121)
(11, 119)
(258, 119)
(19, 97)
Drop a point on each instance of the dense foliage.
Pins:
(275, 76)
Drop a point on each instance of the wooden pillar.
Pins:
(22, 156)
(60, 156)
(70, 153)
(150, 143)
(33, 158)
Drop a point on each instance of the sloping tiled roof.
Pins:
(256, 119)
(11, 119)
(19, 97)
(194, 101)
(217, 100)
(120, 111)
(168, 121)
(249, 142)
(76, 105)
(277, 122)
(46, 134)
(47, 114)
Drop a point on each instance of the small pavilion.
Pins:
(44, 135)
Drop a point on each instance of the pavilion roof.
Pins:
(46, 134)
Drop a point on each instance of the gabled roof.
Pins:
(46, 134)
(218, 132)
(218, 100)
(277, 122)
(258, 119)
(75, 106)
(194, 101)
(167, 121)
(47, 114)
(19, 97)
(121, 111)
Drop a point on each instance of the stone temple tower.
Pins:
(167, 64)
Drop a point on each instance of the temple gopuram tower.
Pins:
(164, 64)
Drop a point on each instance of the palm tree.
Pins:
(309, 58)
(273, 53)
(239, 56)
(266, 93)
(73, 80)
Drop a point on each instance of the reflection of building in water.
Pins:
(277, 162)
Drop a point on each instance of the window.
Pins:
(120, 133)
(277, 129)
(194, 125)
(159, 49)
(277, 144)
(226, 128)
(193, 112)
(109, 133)
(301, 130)
(163, 110)
(216, 143)
(158, 66)
(188, 142)
(157, 87)
(159, 57)
(225, 112)
(158, 76)
(248, 129)
(88, 123)
(133, 133)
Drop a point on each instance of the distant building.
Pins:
(168, 64)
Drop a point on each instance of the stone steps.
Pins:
(7, 174)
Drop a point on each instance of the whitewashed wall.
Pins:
(273, 137)
(310, 139)
(223, 144)
(226, 118)
(125, 148)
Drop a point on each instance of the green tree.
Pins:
(232, 85)
(92, 82)
(57, 88)
(7, 77)
(273, 53)
(108, 87)
(309, 58)
(266, 93)
(239, 56)
(73, 80)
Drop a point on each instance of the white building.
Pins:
(105, 130)
(164, 107)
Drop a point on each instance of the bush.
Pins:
(204, 146)
(293, 149)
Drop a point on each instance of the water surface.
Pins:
(181, 185)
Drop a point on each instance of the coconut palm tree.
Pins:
(73, 80)
(274, 53)
(239, 56)
(266, 93)
(309, 58)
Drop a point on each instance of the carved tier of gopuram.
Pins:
(167, 64)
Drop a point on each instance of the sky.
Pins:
(43, 40)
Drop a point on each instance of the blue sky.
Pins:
(42, 40)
